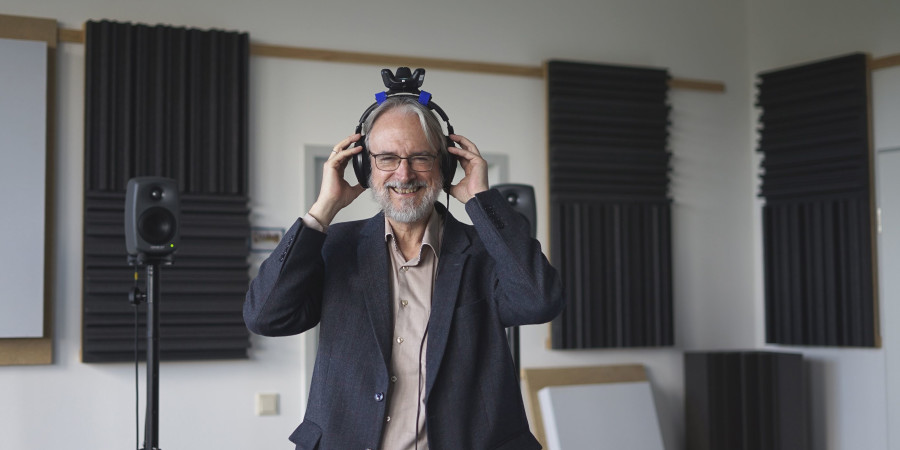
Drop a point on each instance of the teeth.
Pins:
(405, 191)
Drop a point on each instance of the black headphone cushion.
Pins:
(448, 166)
(362, 164)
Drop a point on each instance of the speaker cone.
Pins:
(157, 225)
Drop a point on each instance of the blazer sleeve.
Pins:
(285, 298)
(528, 289)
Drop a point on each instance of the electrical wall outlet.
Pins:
(266, 404)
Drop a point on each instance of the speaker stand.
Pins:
(151, 418)
(512, 335)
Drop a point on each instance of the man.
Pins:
(412, 303)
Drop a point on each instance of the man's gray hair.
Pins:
(409, 104)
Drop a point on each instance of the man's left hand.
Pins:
(474, 166)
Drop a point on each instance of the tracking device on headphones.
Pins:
(407, 83)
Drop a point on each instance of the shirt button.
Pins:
(394, 379)
(379, 396)
(388, 419)
(404, 269)
(399, 340)
(404, 303)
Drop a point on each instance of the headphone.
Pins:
(408, 84)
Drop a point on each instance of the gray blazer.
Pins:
(490, 276)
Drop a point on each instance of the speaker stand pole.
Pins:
(512, 335)
(151, 419)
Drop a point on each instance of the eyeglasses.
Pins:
(418, 163)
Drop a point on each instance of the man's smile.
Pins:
(405, 190)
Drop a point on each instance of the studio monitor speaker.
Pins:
(521, 198)
(152, 216)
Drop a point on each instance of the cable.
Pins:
(419, 398)
(137, 428)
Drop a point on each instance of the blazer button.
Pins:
(379, 396)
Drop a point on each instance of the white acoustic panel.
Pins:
(23, 149)
(608, 416)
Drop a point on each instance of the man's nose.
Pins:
(404, 170)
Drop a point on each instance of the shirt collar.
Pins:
(433, 232)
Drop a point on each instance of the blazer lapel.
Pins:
(446, 291)
(374, 267)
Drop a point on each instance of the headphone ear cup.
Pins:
(448, 165)
(362, 164)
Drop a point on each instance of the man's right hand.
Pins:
(336, 193)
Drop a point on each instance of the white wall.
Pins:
(297, 103)
(847, 387)
(886, 107)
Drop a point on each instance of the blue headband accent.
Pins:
(424, 97)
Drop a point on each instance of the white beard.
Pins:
(409, 210)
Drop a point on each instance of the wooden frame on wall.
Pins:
(34, 351)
